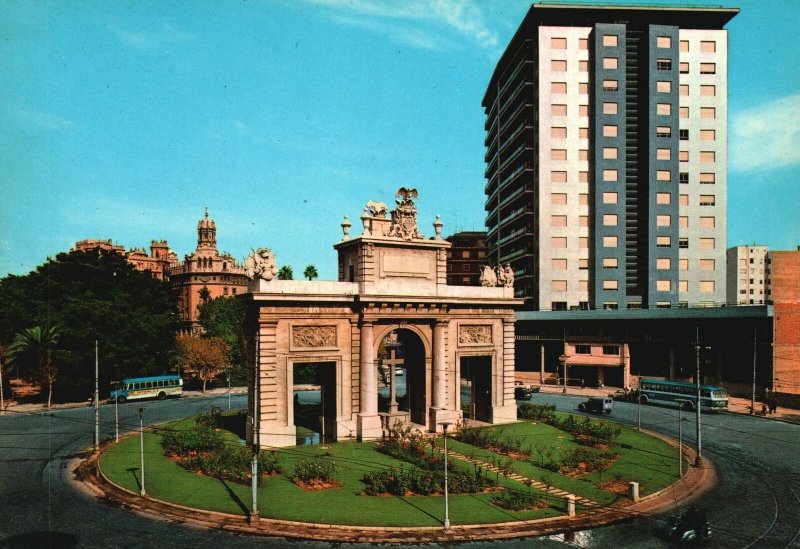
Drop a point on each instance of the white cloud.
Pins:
(465, 17)
(151, 40)
(39, 120)
(767, 135)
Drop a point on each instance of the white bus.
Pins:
(136, 388)
(712, 398)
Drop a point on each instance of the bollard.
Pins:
(633, 490)
(570, 503)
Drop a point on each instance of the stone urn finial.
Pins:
(437, 227)
(346, 227)
(365, 220)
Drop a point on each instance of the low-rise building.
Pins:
(465, 257)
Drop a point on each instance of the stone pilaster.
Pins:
(369, 423)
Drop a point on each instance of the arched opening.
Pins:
(401, 377)
(314, 401)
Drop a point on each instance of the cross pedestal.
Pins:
(393, 362)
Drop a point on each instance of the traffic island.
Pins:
(345, 516)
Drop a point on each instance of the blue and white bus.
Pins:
(136, 388)
(712, 398)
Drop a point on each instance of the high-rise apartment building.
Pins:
(607, 156)
(748, 270)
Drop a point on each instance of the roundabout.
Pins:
(347, 514)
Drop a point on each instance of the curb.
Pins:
(696, 482)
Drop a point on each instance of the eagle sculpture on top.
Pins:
(404, 217)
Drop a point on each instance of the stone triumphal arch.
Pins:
(390, 315)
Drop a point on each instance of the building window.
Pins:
(663, 154)
(610, 107)
(583, 177)
(664, 64)
(558, 87)
(707, 286)
(611, 350)
(707, 264)
(663, 241)
(558, 132)
(583, 154)
(609, 242)
(609, 198)
(610, 175)
(708, 135)
(558, 43)
(610, 220)
(683, 156)
(558, 110)
(583, 349)
(610, 130)
(708, 91)
(583, 221)
(683, 264)
(558, 220)
(611, 285)
(683, 90)
(559, 264)
(558, 65)
(663, 131)
(663, 263)
(610, 40)
(583, 199)
(583, 110)
(583, 133)
(466, 267)
(664, 109)
(558, 198)
(684, 45)
(583, 88)
(663, 42)
(664, 176)
(683, 135)
(583, 66)
(558, 242)
(558, 154)
(610, 305)
(707, 178)
(707, 200)
(708, 113)
(583, 264)
(707, 156)
(559, 285)
(683, 243)
(663, 285)
(559, 305)
(558, 177)
(707, 243)
(610, 62)
(683, 200)
(610, 85)
(708, 46)
(683, 178)
(583, 43)
(664, 86)
(663, 198)
(610, 262)
(708, 68)
(610, 153)
(663, 220)
(583, 243)
(683, 112)
(683, 285)
(683, 222)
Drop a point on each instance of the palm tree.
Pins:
(39, 342)
(286, 273)
(311, 272)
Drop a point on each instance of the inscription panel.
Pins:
(398, 264)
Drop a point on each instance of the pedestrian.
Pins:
(764, 409)
(773, 404)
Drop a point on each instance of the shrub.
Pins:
(311, 469)
(232, 463)
(401, 482)
(515, 500)
(191, 441)
(582, 460)
(539, 412)
(492, 440)
(210, 420)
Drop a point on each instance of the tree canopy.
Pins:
(38, 344)
(223, 317)
(93, 295)
(286, 273)
(202, 357)
(311, 272)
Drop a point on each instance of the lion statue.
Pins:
(260, 264)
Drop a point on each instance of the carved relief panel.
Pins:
(474, 334)
(314, 337)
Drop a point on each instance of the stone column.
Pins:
(439, 367)
(368, 374)
(541, 364)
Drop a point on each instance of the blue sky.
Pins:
(124, 120)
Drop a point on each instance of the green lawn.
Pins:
(648, 460)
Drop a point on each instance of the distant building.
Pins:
(158, 263)
(785, 287)
(204, 275)
(748, 275)
(465, 257)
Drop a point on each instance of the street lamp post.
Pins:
(116, 418)
(681, 403)
(698, 348)
(445, 425)
(96, 399)
(141, 449)
(639, 410)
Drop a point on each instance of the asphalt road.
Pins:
(756, 505)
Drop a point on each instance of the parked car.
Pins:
(524, 392)
(597, 405)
